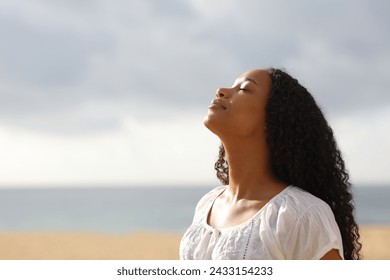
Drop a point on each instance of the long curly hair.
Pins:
(304, 153)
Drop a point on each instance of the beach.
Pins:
(136, 246)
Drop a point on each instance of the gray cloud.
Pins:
(173, 55)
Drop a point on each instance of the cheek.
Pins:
(248, 122)
(248, 127)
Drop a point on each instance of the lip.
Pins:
(216, 102)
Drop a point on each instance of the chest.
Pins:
(224, 215)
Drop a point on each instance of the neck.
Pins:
(250, 173)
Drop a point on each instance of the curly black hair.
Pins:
(304, 153)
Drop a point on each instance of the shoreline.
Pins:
(136, 246)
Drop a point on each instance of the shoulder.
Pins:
(296, 202)
(303, 224)
(295, 209)
(210, 196)
(205, 202)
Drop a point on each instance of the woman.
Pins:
(285, 192)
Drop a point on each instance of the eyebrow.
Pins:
(246, 79)
(250, 80)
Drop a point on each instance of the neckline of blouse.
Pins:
(210, 205)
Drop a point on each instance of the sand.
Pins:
(141, 246)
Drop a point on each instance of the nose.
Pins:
(221, 93)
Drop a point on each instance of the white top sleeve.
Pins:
(312, 235)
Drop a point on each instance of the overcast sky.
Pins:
(99, 92)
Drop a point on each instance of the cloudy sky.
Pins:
(99, 92)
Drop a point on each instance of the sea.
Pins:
(121, 210)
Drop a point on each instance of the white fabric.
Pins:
(292, 225)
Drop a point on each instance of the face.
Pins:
(240, 109)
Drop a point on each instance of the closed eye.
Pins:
(244, 86)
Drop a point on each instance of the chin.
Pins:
(210, 123)
(213, 124)
(206, 121)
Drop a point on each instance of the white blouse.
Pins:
(294, 224)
